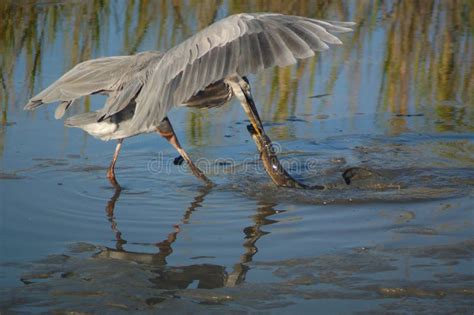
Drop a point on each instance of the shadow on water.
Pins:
(207, 276)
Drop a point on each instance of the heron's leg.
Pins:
(111, 169)
(166, 131)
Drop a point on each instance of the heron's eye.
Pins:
(245, 85)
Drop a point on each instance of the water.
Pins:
(394, 104)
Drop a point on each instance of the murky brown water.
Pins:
(392, 110)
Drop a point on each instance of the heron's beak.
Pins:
(253, 114)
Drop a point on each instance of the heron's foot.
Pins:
(178, 160)
(113, 179)
(199, 174)
(110, 173)
(251, 130)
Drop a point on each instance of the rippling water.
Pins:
(394, 105)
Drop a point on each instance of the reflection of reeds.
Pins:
(428, 56)
(428, 51)
(28, 29)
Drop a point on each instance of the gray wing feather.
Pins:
(61, 109)
(120, 77)
(129, 86)
(120, 99)
(85, 78)
(239, 44)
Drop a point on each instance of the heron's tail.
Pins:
(82, 120)
(104, 130)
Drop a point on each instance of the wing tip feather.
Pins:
(33, 104)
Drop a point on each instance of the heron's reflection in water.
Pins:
(207, 276)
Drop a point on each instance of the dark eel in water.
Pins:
(272, 165)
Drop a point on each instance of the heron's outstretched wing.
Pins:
(88, 77)
(131, 83)
(120, 77)
(239, 44)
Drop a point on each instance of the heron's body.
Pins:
(206, 70)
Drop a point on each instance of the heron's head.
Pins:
(245, 85)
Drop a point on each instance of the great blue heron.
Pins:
(206, 70)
